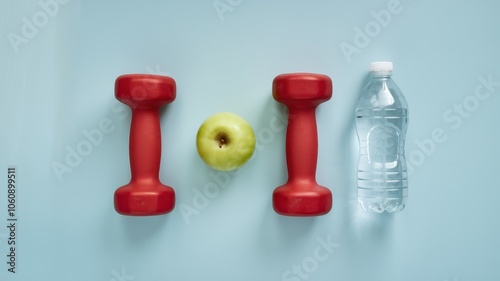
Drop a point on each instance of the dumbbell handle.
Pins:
(301, 144)
(145, 144)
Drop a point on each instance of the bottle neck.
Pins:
(381, 74)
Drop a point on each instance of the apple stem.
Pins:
(222, 141)
(222, 138)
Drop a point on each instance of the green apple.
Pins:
(225, 141)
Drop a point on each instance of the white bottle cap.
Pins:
(381, 66)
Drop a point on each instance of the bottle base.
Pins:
(381, 205)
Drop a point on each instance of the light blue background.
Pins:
(61, 82)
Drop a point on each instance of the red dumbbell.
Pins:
(145, 195)
(301, 195)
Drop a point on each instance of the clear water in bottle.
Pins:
(381, 125)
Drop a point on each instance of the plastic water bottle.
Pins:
(381, 125)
